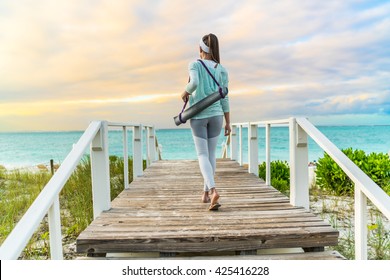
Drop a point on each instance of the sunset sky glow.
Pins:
(66, 63)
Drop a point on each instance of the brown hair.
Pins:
(212, 42)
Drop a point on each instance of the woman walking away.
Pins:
(207, 76)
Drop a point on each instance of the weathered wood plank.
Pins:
(205, 245)
(269, 233)
(115, 227)
(177, 221)
(326, 255)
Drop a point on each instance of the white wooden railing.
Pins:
(299, 130)
(47, 202)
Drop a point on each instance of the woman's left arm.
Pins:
(225, 102)
(228, 129)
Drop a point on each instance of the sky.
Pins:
(66, 63)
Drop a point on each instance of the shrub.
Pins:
(280, 175)
(332, 178)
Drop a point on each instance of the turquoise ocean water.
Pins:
(23, 149)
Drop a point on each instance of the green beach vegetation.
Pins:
(280, 175)
(18, 191)
(19, 188)
(331, 177)
(331, 198)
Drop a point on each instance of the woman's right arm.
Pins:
(194, 79)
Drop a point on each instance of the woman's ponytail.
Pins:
(212, 42)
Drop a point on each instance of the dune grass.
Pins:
(19, 189)
(338, 211)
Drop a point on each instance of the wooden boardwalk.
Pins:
(162, 212)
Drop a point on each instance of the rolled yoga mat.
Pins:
(199, 107)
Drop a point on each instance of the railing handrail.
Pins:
(375, 193)
(17, 240)
(47, 200)
(120, 124)
(282, 121)
(299, 129)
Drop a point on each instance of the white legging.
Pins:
(206, 133)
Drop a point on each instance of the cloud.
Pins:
(284, 58)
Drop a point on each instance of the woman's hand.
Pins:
(227, 129)
(227, 124)
(185, 96)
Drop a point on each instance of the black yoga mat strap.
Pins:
(214, 79)
(185, 104)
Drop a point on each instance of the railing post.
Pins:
(150, 145)
(147, 147)
(225, 146)
(54, 219)
(153, 154)
(125, 158)
(158, 150)
(268, 154)
(241, 161)
(233, 143)
(137, 151)
(299, 176)
(253, 150)
(100, 172)
(360, 224)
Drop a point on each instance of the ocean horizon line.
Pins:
(29, 148)
(186, 128)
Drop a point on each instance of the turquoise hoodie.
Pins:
(201, 85)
